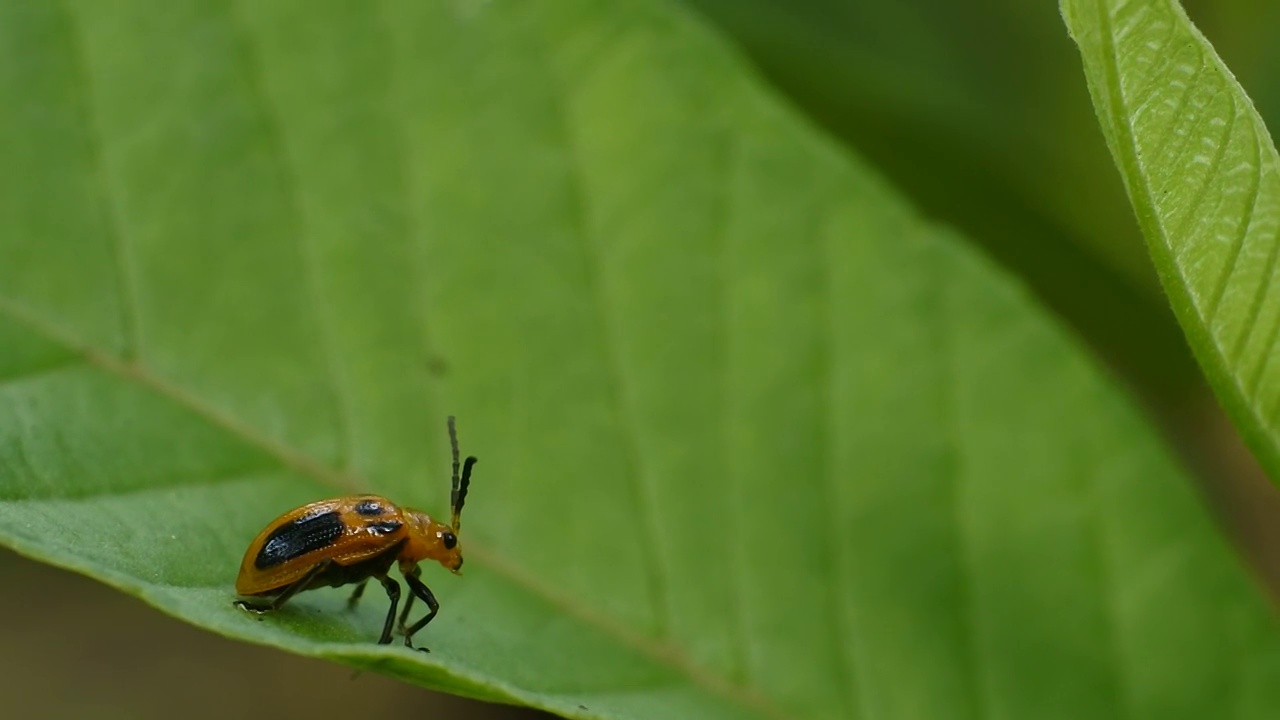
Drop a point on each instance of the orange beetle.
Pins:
(350, 539)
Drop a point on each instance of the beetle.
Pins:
(351, 539)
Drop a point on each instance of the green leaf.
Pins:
(756, 441)
(1200, 170)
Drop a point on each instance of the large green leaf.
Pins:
(755, 440)
(1201, 172)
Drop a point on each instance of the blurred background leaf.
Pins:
(756, 440)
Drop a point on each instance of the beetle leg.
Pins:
(355, 596)
(423, 592)
(393, 592)
(289, 592)
(408, 603)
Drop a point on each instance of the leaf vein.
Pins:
(740, 637)
(409, 185)
(1149, 88)
(1269, 267)
(840, 602)
(1237, 241)
(620, 389)
(953, 424)
(1191, 208)
(273, 130)
(1113, 616)
(126, 282)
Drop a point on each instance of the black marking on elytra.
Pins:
(386, 527)
(370, 508)
(297, 538)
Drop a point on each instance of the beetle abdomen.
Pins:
(297, 538)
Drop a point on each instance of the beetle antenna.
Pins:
(460, 496)
(460, 483)
(453, 442)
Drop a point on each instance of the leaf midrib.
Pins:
(662, 653)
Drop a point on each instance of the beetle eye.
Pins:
(450, 540)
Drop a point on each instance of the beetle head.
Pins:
(433, 540)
